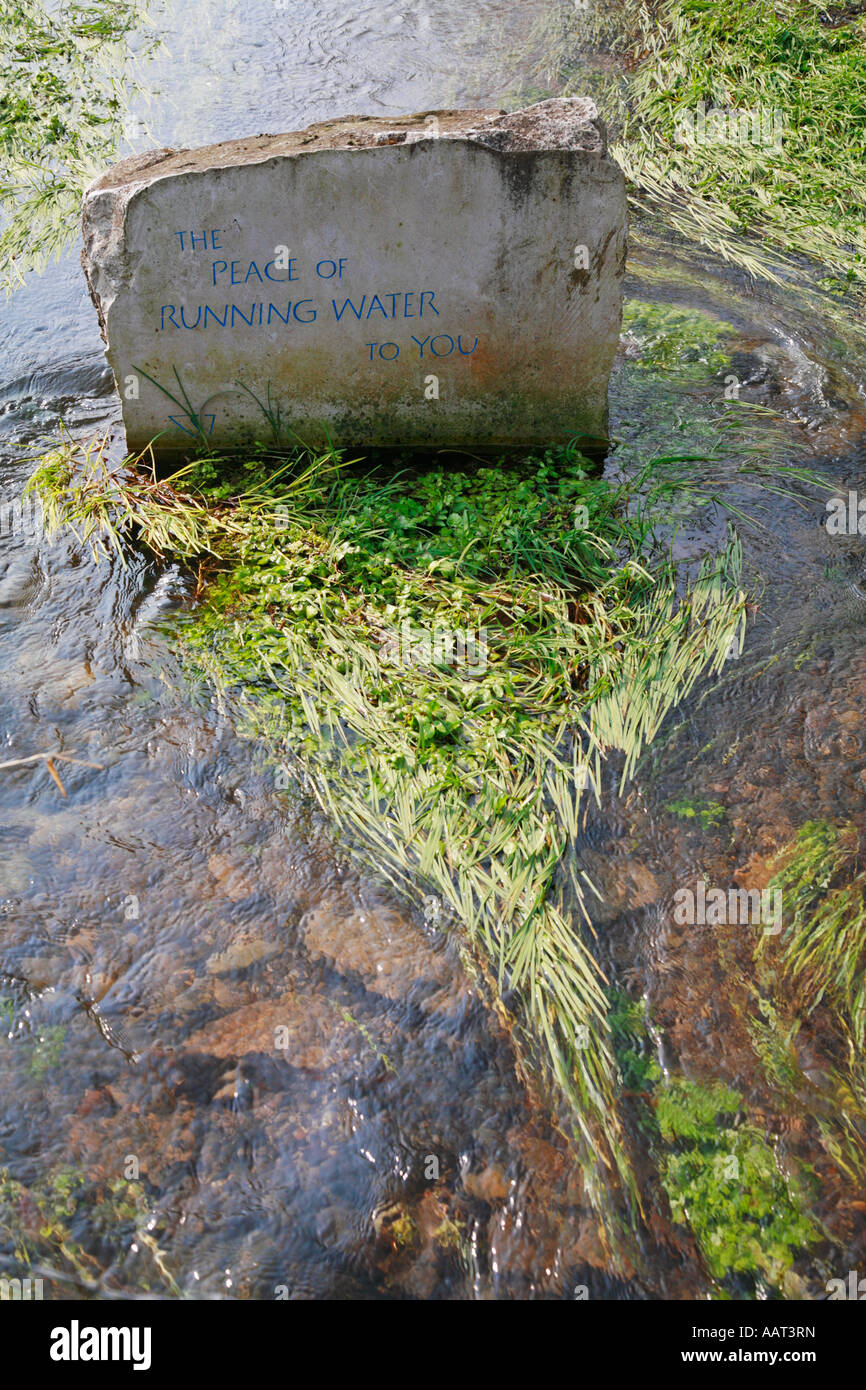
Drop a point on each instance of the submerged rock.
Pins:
(389, 954)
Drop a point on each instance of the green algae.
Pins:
(708, 814)
(717, 1167)
(683, 343)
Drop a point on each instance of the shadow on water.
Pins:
(233, 1065)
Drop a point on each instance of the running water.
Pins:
(234, 1066)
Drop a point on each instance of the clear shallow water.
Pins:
(167, 918)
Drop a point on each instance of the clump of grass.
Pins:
(835, 1102)
(818, 961)
(788, 216)
(108, 508)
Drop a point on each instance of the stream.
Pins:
(171, 914)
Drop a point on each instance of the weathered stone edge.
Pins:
(558, 125)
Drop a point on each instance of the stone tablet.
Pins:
(446, 279)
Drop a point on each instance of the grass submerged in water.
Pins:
(740, 126)
(784, 154)
(717, 1167)
(445, 658)
(68, 79)
(818, 964)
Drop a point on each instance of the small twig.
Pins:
(54, 773)
(49, 760)
(57, 757)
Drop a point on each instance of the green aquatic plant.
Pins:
(675, 340)
(444, 658)
(47, 1051)
(464, 775)
(462, 767)
(835, 1101)
(776, 192)
(710, 814)
(716, 1165)
(635, 1054)
(451, 1235)
(367, 1036)
(40, 1224)
(775, 1043)
(672, 356)
(823, 942)
(67, 84)
(722, 1177)
(746, 115)
(108, 510)
(818, 962)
